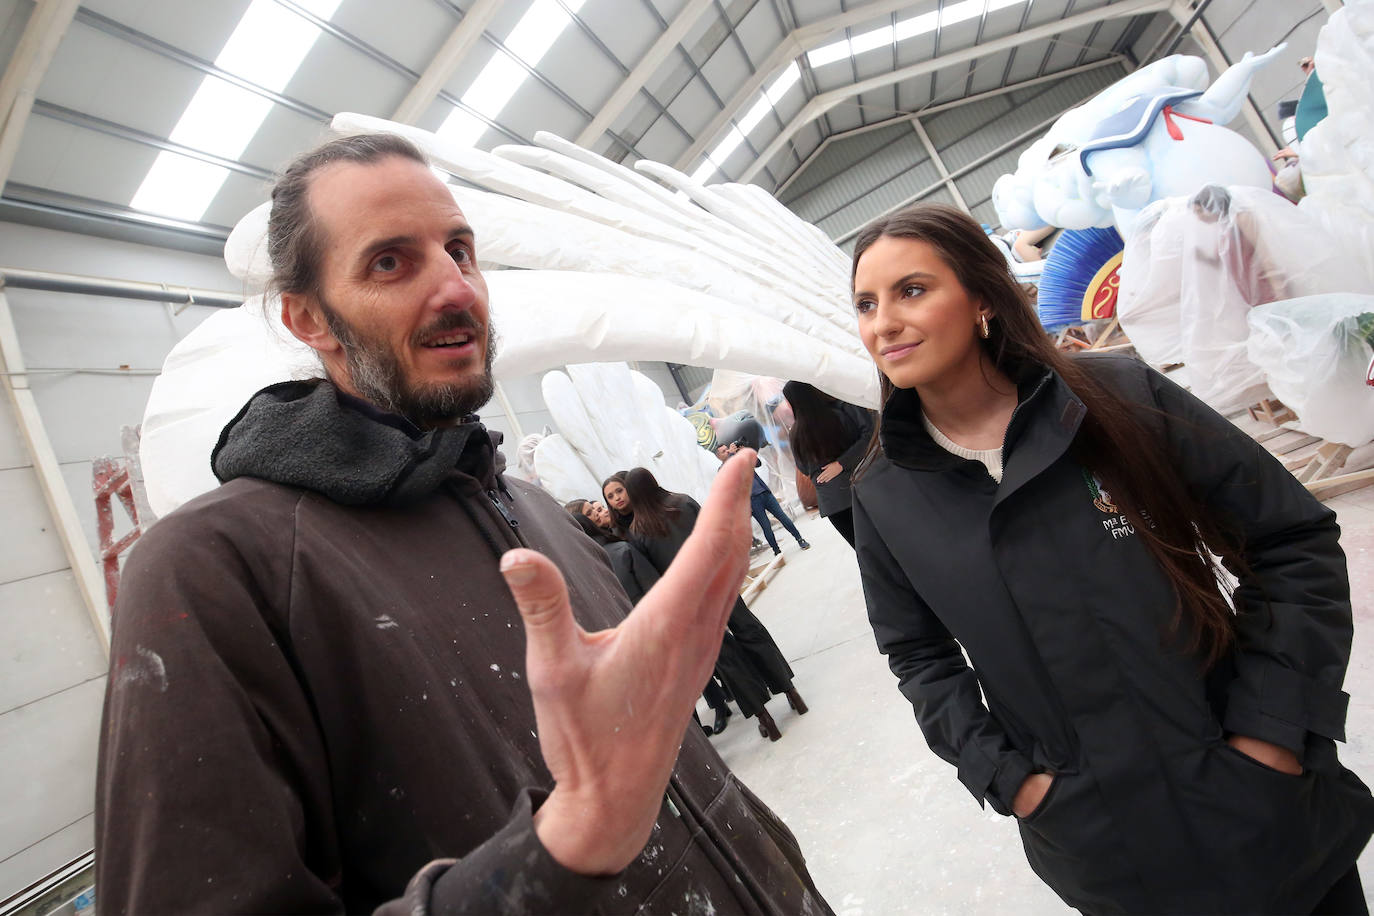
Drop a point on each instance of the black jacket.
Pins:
(1064, 616)
(317, 700)
(833, 495)
(634, 571)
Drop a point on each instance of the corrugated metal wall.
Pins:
(856, 178)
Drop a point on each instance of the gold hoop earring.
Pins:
(986, 333)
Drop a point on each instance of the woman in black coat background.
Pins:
(1055, 519)
(636, 574)
(829, 439)
(750, 664)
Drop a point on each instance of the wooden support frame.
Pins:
(757, 580)
(45, 464)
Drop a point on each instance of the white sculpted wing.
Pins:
(603, 263)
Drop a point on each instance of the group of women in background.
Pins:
(1120, 619)
(643, 526)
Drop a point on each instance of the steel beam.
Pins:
(824, 102)
(48, 23)
(939, 164)
(944, 106)
(647, 66)
(450, 54)
(795, 44)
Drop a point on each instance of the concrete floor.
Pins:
(885, 825)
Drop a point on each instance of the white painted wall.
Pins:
(52, 671)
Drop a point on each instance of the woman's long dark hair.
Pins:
(653, 511)
(1112, 441)
(819, 435)
(595, 531)
(620, 521)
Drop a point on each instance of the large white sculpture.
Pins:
(586, 261)
(1156, 133)
(613, 419)
(1224, 280)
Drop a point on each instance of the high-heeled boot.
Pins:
(795, 701)
(767, 727)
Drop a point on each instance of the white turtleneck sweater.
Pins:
(991, 458)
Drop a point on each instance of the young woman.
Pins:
(829, 439)
(636, 574)
(618, 503)
(1053, 519)
(750, 664)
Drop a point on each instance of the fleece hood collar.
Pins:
(308, 434)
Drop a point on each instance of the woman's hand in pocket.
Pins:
(1271, 755)
(1031, 794)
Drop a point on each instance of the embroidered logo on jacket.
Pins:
(1119, 525)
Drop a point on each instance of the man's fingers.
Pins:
(728, 501)
(542, 597)
(717, 551)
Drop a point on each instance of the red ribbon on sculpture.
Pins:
(1170, 114)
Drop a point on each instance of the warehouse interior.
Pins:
(139, 137)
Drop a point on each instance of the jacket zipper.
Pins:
(1017, 409)
(511, 520)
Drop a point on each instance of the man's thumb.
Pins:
(541, 595)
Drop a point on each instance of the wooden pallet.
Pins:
(1326, 468)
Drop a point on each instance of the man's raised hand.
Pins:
(612, 706)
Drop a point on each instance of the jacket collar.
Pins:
(309, 434)
(1042, 427)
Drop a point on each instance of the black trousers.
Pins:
(1345, 898)
(844, 524)
(750, 664)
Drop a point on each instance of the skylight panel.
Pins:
(785, 81)
(868, 41)
(462, 127)
(539, 28)
(266, 49)
(732, 141)
(960, 12)
(828, 54)
(756, 114)
(529, 41)
(268, 45)
(917, 25)
(704, 171)
(494, 86)
(221, 119)
(179, 186)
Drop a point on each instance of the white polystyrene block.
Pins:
(561, 471)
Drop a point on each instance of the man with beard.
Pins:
(354, 677)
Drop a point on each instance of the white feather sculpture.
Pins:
(586, 261)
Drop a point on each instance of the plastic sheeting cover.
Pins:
(1315, 360)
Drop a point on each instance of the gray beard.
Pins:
(376, 375)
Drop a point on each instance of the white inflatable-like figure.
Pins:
(1154, 134)
(613, 419)
(1220, 279)
(605, 264)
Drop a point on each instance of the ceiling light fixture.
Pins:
(266, 48)
(498, 81)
